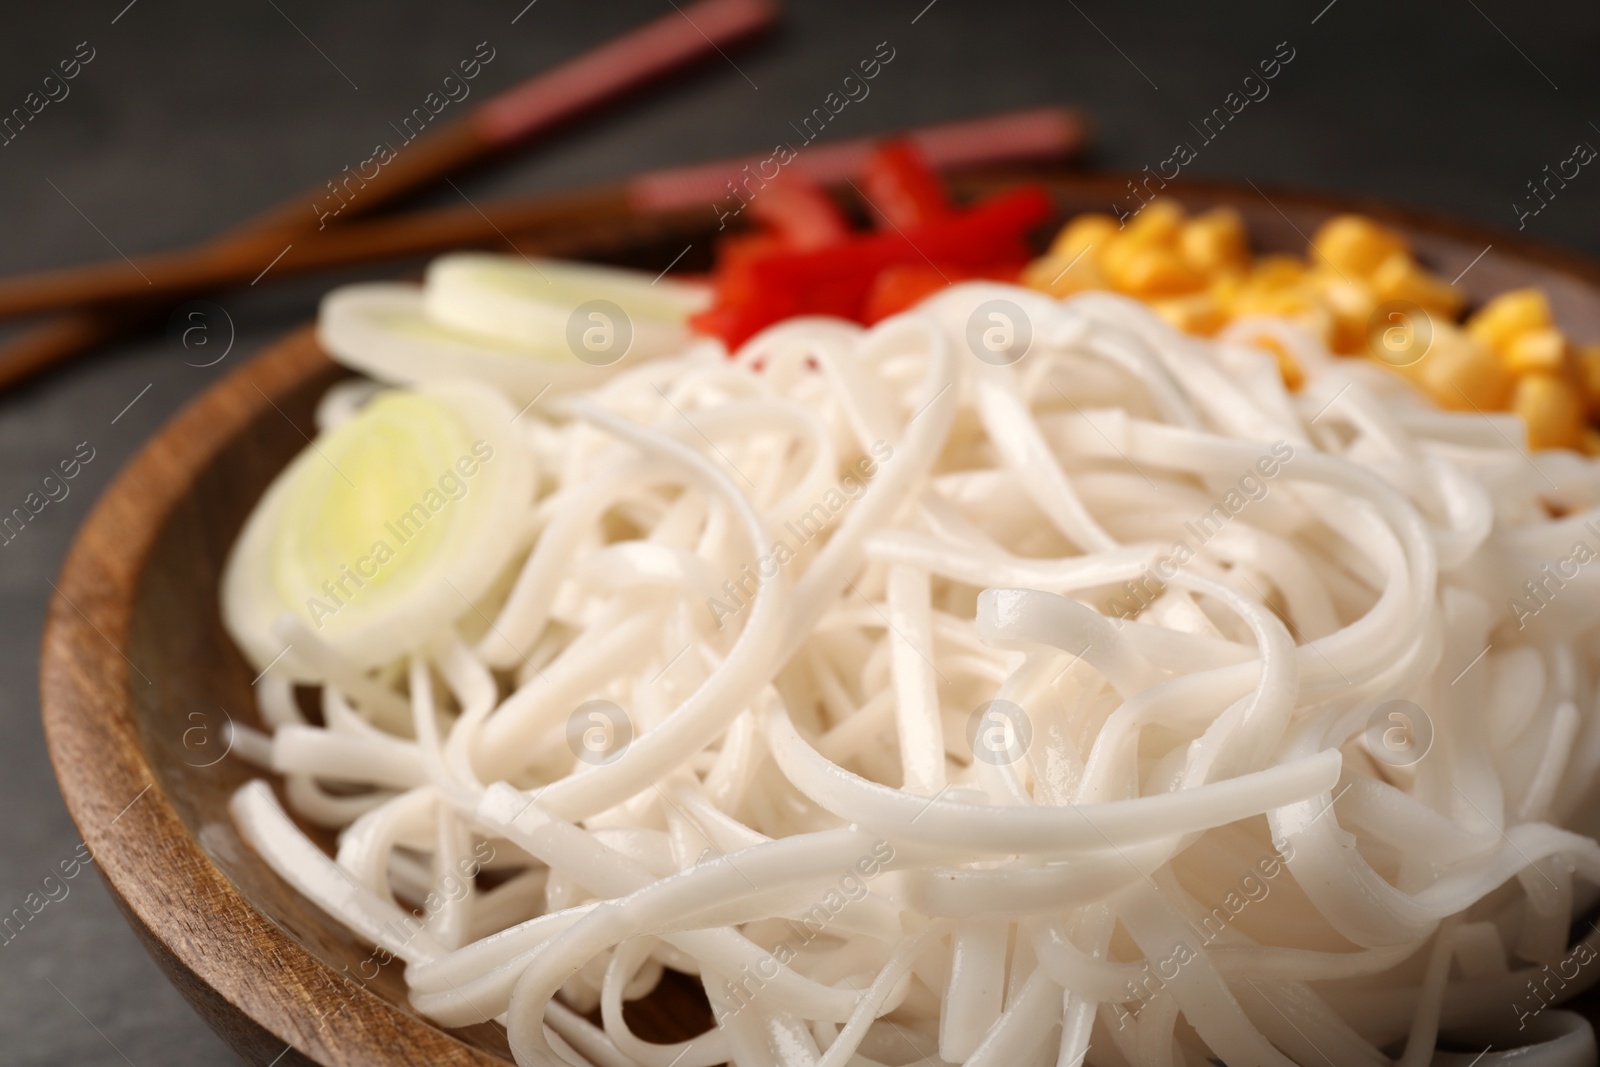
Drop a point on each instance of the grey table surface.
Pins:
(191, 116)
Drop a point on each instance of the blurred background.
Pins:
(190, 117)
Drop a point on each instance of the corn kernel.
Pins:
(1062, 277)
(1351, 302)
(1293, 376)
(1198, 313)
(1288, 366)
(1157, 223)
(1552, 409)
(1225, 289)
(1198, 274)
(1281, 301)
(1542, 351)
(1277, 285)
(1089, 231)
(1355, 244)
(1461, 374)
(1400, 278)
(1297, 307)
(1587, 367)
(1154, 272)
(1114, 257)
(1215, 242)
(1508, 315)
(1276, 272)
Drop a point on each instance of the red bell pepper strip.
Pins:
(904, 285)
(735, 323)
(993, 231)
(736, 256)
(900, 186)
(800, 214)
(760, 283)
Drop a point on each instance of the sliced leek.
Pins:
(597, 314)
(386, 529)
(382, 330)
(531, 328)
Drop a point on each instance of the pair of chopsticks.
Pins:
(109, 298)
(537, 106)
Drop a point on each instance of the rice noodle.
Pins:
(962, 713)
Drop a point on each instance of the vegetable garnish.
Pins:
(528, 327)
(799, 215)
(806, 263)
(532, 302)
(903, 190)
(387, 528)
(1360, 291)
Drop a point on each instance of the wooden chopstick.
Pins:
(58, 340)
(536, 106)
(542, 103)
(1040, 133)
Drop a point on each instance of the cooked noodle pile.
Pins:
(1106, 705)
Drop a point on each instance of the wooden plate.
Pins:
(139, 679)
